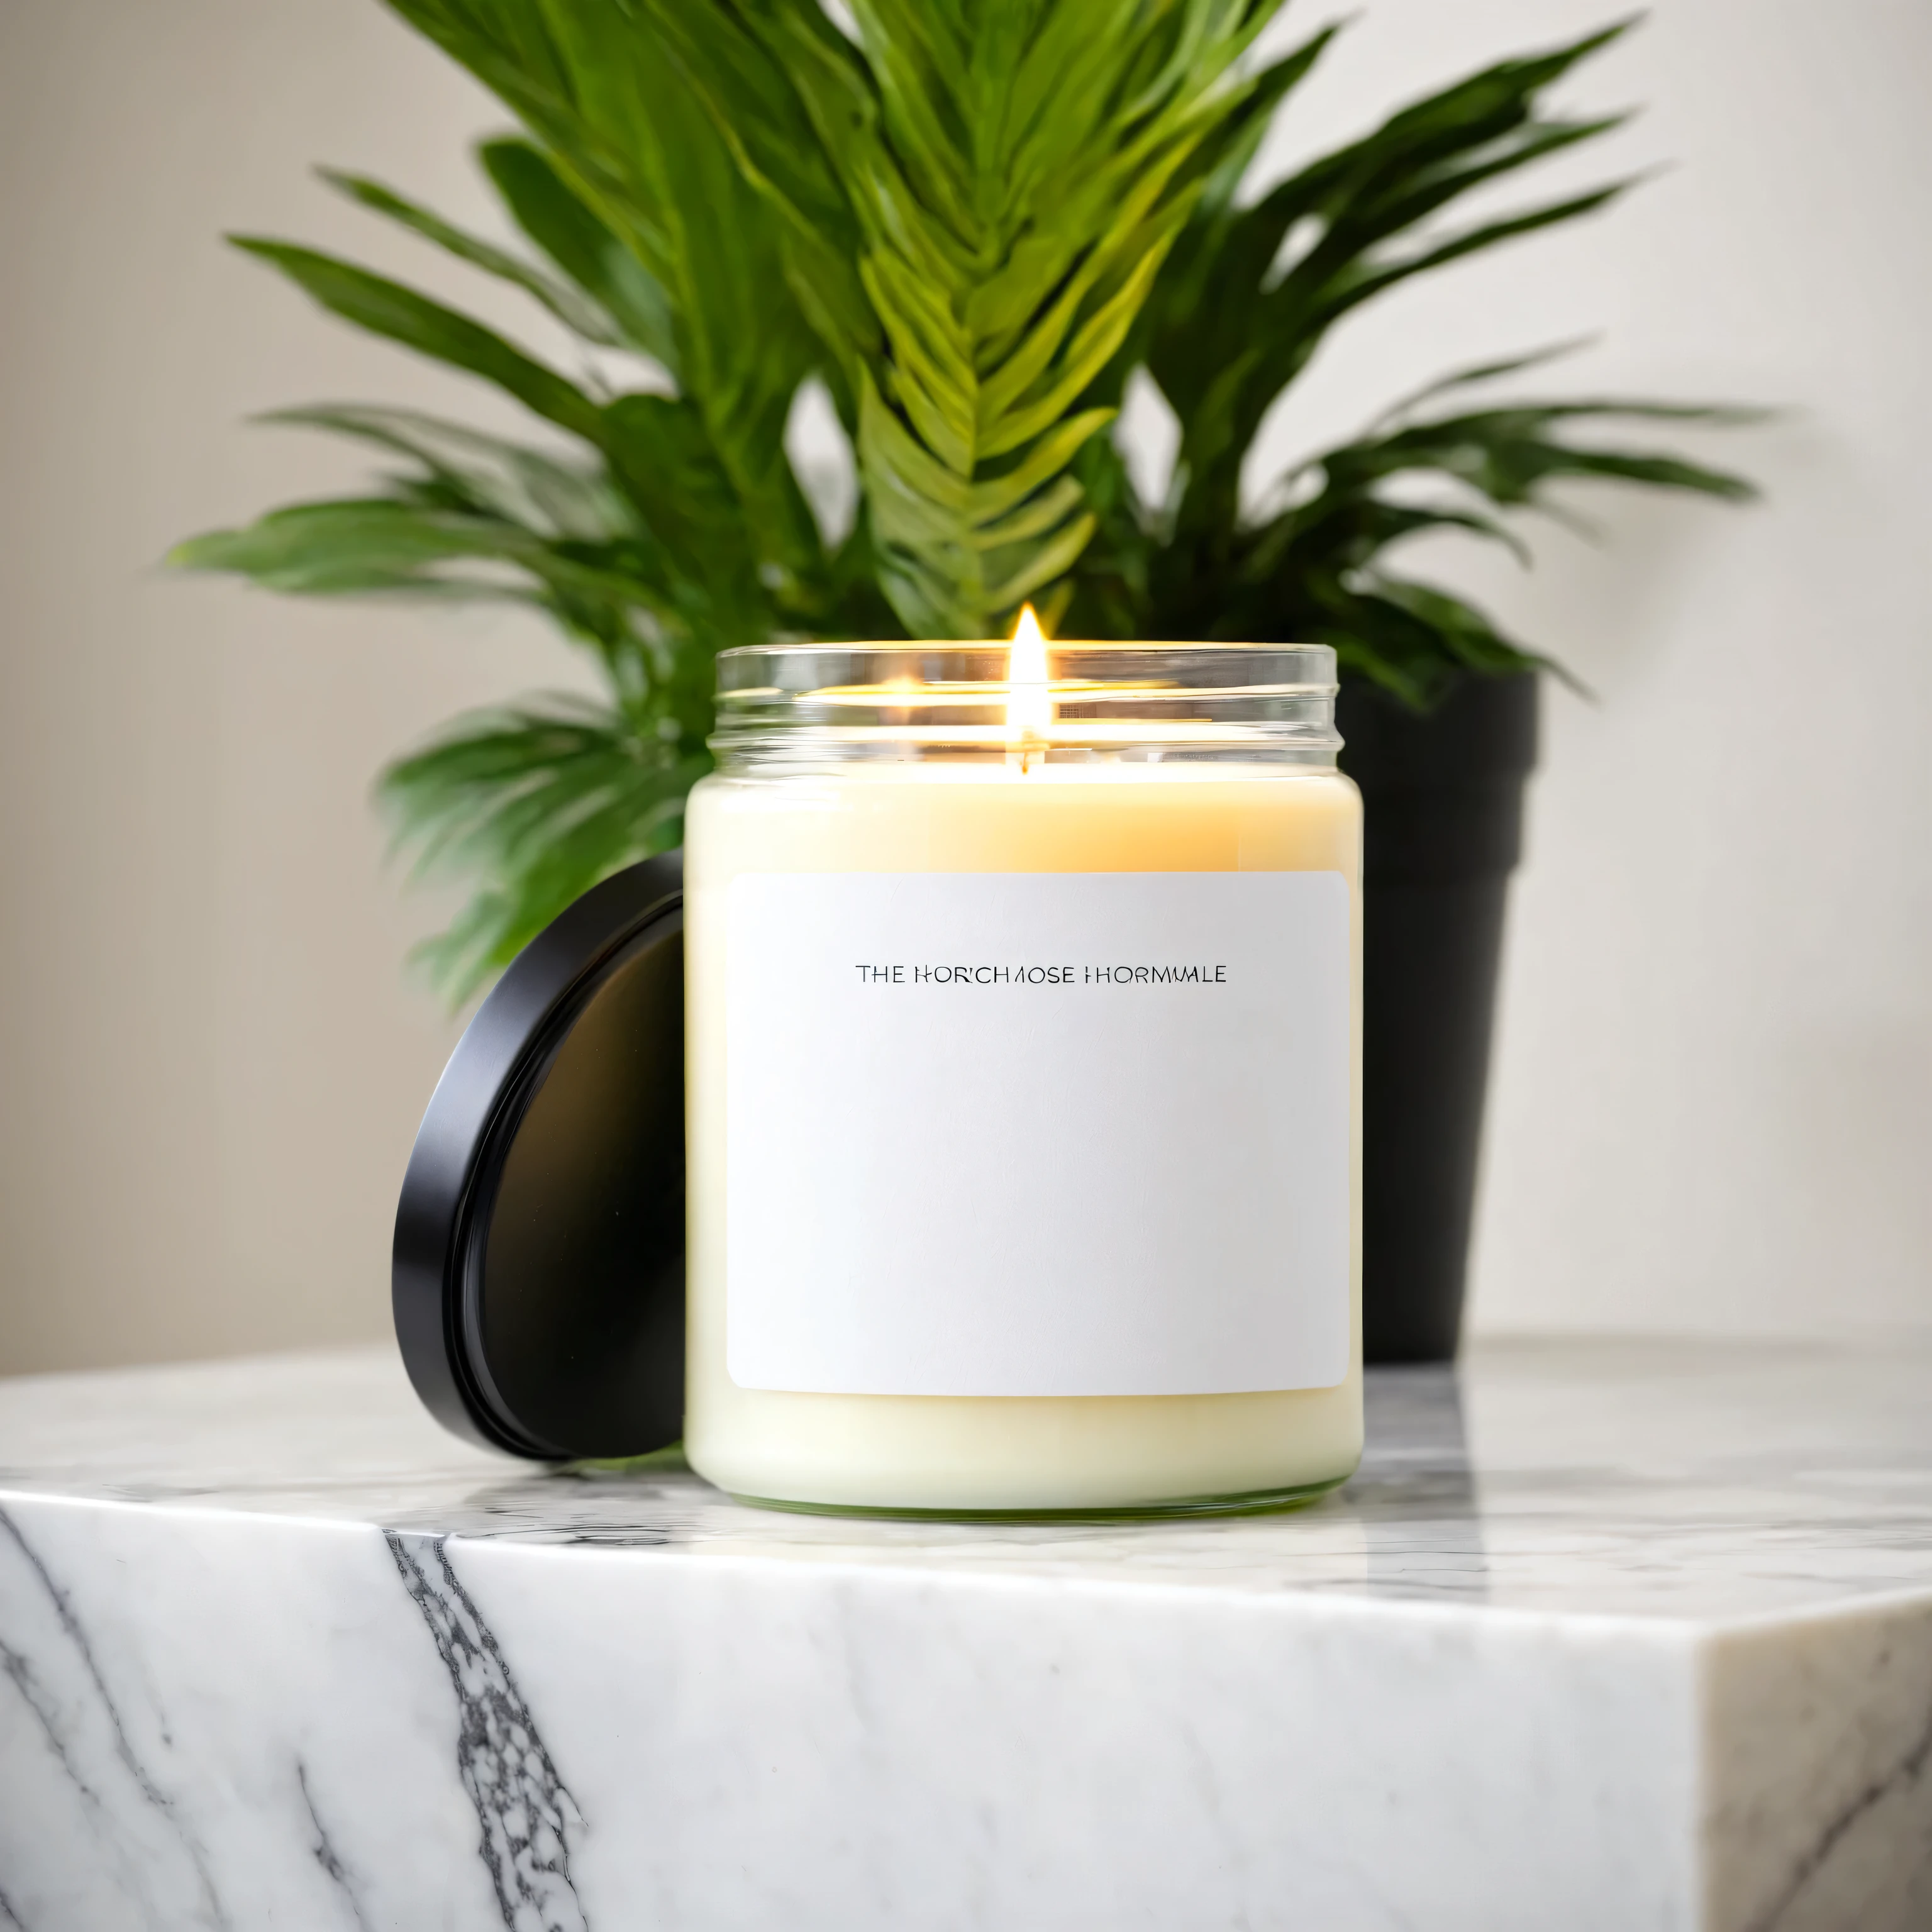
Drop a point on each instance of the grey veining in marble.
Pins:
(1612, 1635)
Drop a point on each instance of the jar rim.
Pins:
(1097, 701)
(1306, 667)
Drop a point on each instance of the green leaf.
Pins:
(359, 546)
(1509, 453)
(759, 114)
(544, 492)
(1008, 178)
(564, 300)
(347, 546)
(972, 222)
(387, 308)
(701, 273)
(583, 246)
(1231, 324)
(663, 458)
(541, 804)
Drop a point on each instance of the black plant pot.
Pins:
(1443, 794)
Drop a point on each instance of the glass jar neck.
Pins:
(1088, 703)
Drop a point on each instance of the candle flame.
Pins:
(1029, 695)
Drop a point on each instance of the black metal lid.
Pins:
(538, 1275)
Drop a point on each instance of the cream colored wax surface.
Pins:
(950, 1453)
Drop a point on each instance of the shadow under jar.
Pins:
(1024, 999)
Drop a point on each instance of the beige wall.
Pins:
(1712, 1108)
(213, 1066)
(1714, 1097)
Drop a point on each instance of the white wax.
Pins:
(994, 1452)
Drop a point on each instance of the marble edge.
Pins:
(1867, 1604)
(1328, 1606)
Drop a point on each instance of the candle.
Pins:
(1024, 1042)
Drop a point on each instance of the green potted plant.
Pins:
(972, 225)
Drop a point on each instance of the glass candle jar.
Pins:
(1023, 999)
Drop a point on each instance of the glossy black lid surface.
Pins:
(538, 1270)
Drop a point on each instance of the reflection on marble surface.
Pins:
(1616, 1635)
(1686, 1480)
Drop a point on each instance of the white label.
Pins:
(1037, 1133)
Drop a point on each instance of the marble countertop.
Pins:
(1614, 1636)
(1702, 1481)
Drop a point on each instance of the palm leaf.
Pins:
(547, 493)
(1008, 178)
(541, 804)
(1245, 299)
(973, 223)
(565, 300)
(387, 308)
(583, 247)
(623, 136)
(1233, 323)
